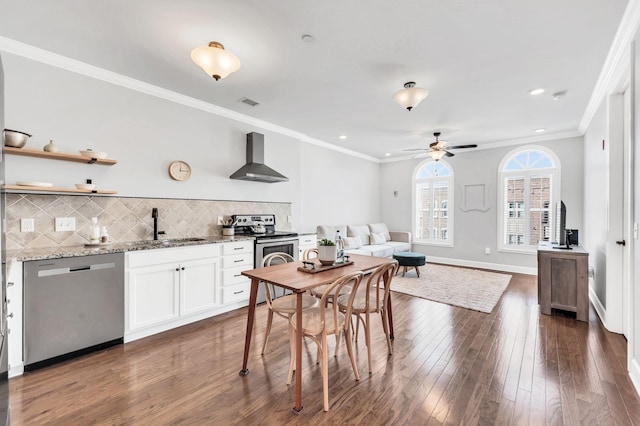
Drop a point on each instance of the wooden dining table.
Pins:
(287, 275)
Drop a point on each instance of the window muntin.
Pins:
(433, 194)
(530, 186)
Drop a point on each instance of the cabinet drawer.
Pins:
(239, 247)
(234, 276)
(236, 293)
(308, 240)
(245, 259)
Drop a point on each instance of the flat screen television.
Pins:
(561, 225)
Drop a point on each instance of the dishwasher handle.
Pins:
(71, 270)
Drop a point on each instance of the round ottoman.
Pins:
(410, 259)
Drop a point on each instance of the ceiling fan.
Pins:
(439, 149)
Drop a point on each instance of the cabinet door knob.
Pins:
(182, 268)
(10, 315)
(10, 284)
(177, 269)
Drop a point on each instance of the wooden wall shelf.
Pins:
(58, 156)
(24, 188)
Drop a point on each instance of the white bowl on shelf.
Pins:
(93, 154)
(86, 186)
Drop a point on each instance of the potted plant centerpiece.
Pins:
(326, 251)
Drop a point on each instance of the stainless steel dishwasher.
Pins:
(72, 306)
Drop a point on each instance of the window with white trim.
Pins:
(433, 195)
(530, 184)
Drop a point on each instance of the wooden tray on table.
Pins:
(318, 267)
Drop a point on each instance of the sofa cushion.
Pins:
(377, 238)
(398, 246)
(329, 232)
(352, 242)
(376, 228)
(380, 250)
(359, 230)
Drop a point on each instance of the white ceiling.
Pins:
(478, 59)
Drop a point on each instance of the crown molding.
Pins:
(615, 65)
(63, 62)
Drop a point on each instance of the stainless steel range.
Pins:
(267, 239)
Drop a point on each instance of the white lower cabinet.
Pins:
(167, 288)
(237, 257)
(14, 318)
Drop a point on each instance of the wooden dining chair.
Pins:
(325, 320)
(310, 253)
(283, 305)
(370, 299)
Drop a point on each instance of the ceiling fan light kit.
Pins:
(410, 96)
(215, 60)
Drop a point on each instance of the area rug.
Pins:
(464, 287)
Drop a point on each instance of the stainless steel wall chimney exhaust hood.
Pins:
(255, 169)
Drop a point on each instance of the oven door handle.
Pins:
(276, 240)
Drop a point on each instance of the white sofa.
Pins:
(373, 239)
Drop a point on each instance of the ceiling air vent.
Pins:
(249, 102)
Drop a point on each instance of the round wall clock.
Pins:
(179, 170)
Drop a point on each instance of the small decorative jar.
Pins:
(50, 147)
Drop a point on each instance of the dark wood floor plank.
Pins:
(449, 366)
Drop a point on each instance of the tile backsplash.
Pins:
(126, 218)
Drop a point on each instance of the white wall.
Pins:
(145, 133)
(474, 230)
(596, 199)
(337, 189)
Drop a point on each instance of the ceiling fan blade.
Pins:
(420, 155)
(416, 149)
(462, 146)
(448, 154)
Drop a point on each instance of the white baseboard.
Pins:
(484, 265)
(597, 305)
(634, 374)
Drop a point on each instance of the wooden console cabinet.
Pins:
(563, 281)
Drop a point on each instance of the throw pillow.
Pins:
(352, 243)
(377, 238)
(377, 228)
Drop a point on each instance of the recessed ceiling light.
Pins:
(540, 130)
(536, 91)
(387, 154)
(343, 137)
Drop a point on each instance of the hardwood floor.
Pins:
(450, 366)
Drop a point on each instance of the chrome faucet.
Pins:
(154, 215)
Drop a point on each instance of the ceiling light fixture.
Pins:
(540, 130)
(343, 137)
(537, 91)
(215, 61)
(410, 96)
(437, 154)
(387, 154)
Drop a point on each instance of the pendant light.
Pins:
(215, 60)
(410, 96)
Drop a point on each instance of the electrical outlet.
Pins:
(288, 219)
(27, 225)
(64, 224)
(487, 250)
(220, 220)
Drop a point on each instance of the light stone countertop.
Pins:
(74, 251)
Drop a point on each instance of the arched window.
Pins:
(433, 203)
(529, 182)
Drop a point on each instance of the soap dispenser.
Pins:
(94, 235)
